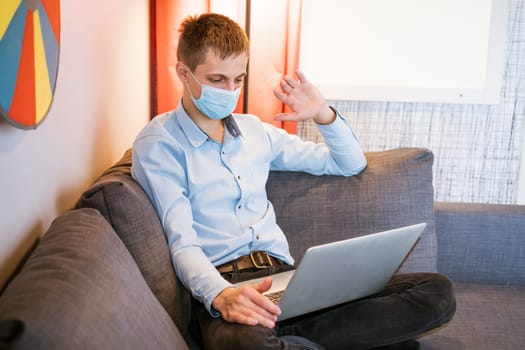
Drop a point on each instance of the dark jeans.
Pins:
(410, 305)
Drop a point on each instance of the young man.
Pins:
(205, 171)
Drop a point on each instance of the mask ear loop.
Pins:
(188, 81)
(191, 73)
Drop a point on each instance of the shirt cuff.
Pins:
(335, 126)
(210, 297)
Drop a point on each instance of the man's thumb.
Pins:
(264, 285)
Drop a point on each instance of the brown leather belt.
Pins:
(254, 261)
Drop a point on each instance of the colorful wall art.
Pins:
(29, 55)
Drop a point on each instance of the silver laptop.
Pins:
(338, 272)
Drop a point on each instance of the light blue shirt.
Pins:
(211, 197)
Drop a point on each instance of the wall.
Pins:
(478, 148)
(101, 102)
(521, 187)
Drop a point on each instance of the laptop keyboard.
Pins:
(275, 297)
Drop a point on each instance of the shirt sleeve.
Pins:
(165, 186)
(340, 154)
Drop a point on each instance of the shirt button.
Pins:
(238, 177)
(239, 206)
(257, 237)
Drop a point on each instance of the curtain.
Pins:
(273, 27)
(165, 18)
(274, 51)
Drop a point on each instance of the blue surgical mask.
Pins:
(215, 103)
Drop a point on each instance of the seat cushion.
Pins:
(487, 317)
(81, 289)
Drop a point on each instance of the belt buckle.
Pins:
(261, 264)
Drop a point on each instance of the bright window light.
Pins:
(405, 50)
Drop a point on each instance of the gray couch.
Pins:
(101, 277)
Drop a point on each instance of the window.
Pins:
(448, 51)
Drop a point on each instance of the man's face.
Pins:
(227, 74)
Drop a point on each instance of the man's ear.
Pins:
(182, 71)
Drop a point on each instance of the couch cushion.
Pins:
(126, 206)
(487, 317)
(394, 190)
(481, 243)
(81, 289)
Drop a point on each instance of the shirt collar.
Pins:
(194, 134)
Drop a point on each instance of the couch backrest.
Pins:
(481, 243)
(121, 200)
(394, 190)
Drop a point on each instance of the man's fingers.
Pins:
(251, 308)
(281, 96)
(264, 305)
(301, 76)
(286, 117)
(293, 83)
(253, 319)
(286, 86)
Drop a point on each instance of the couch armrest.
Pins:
(81, 289)
(481, 243)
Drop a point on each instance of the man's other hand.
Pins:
(247, 305)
